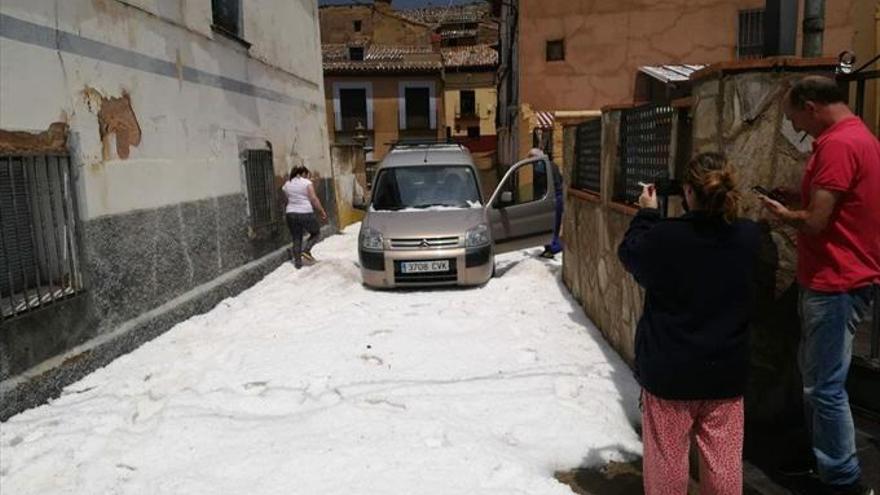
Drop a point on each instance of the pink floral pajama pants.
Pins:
(668, 426)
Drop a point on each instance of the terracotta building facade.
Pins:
(580, 56)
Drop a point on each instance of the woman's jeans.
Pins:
(299, 223)
(828, 322)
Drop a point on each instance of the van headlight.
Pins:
(371, 239)
(477, 236)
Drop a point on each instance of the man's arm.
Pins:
(814, 219)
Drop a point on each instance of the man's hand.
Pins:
(775, 208)
(323, 215)
(648, 199)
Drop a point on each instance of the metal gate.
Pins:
(260, 176)
(39, 261)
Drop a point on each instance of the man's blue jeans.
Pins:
(828, 323)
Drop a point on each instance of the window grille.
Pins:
(588, 156)
(645, 136)
(260, 175)
(227, 15)
(750, 34)
(39, 254)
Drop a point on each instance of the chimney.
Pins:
(780, 27)
(382, 5)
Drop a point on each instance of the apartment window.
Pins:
(260, 178)
(750, 34)
(357, 26)
(352, 103)
(473, 132)
(353, 108)
(39, 256)
(417, 105)
(555, 50)
(467, 103)
(227, 16)
(356, 53)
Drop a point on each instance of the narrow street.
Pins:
(310, 383)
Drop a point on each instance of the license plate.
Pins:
(424, 266)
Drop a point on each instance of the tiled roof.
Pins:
(381, 58)
(470, 56)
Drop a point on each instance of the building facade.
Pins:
(411, 74)
(574, 56)
(142, 144)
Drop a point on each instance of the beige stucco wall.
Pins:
(606, 41)
(193, 128)
(386, 95)
(486, 98)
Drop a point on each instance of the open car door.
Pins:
(523, 207)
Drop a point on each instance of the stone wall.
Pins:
(740, 114)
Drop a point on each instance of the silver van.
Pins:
(427, 223)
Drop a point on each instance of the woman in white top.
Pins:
(300, 213)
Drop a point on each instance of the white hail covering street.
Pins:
(309, 383)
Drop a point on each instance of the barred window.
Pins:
(39, 255)
(227, 15)
(750, 34)
(644, 151)
(260, 175)
(588, 156)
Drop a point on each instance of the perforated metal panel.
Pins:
(645, 137)
(588, 157)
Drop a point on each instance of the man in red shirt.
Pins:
(838, 262)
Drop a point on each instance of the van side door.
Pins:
(522, 209)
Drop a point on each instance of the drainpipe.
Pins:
(814, 27)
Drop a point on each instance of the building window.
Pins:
(353, 108)
(352, 102)
(227, 16)
(39, 255)
(356, 53)
(260, 176)
(555, 50)
(467, 103)
(473, 132)
(417, 106)
(357, 26)
(750, 34)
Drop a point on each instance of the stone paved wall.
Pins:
(741, 115)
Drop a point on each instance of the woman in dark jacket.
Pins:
(692, 339)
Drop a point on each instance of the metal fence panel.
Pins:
(588, 156)
(39, 262)
(645, 137)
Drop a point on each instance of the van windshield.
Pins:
(423, 187)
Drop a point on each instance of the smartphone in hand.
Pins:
(764, 192)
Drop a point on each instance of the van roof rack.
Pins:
(423, 143)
